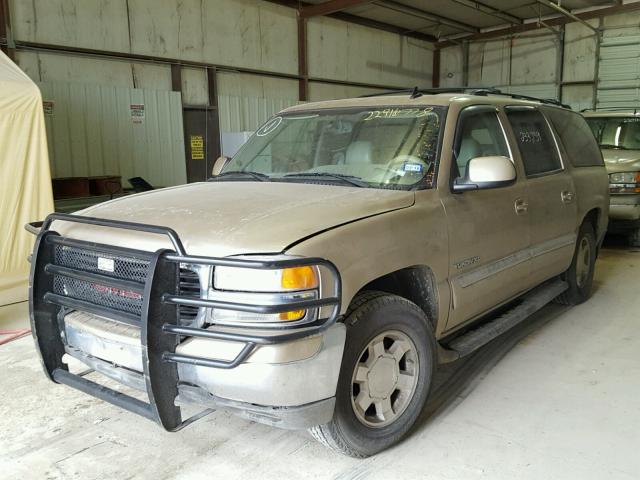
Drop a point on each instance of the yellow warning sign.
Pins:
(197, 147)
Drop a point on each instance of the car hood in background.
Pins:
(231, 218)
(621, 160)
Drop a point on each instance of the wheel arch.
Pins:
(416, 284)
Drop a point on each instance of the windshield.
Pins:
(392, 147)
(616, 132)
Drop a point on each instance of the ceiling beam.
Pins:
(530, 26)
(418, 13)
(489, 10)
(567, 13)
(332, 6)
(365, 22)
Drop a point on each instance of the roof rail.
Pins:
(480, 91)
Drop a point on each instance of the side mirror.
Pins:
(486, 172)
(218, 165)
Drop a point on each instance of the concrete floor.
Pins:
(556, 399)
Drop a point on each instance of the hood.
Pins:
(231, 218)
(621, 160)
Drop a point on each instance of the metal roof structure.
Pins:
(446, 22)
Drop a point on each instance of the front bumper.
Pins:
(138, 337)
(624, 208)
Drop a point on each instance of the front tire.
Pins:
(579, 276)
(385, 377)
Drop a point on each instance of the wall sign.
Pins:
(137, 112)
(47, 106)
(197, 147)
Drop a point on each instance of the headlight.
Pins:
(267, 287)
(624, 182)
(252, 280)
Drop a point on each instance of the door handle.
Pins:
(521, 206)
(567, 196)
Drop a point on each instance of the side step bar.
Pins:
(485, 333)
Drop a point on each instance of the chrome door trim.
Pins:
(470, 278)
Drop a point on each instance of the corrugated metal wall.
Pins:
(619, 73)
(91, 132)
(240, 114)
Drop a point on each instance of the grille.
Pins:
(128, 268)
(189, 287)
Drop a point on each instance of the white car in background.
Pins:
(618, 134)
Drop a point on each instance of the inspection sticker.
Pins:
(413, 167)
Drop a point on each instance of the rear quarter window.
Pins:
(577, 138)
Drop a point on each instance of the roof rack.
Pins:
(480, 91)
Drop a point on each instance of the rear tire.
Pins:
(579, 276)
(385, 377)
(634, 238)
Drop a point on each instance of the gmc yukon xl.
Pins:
(319, 278)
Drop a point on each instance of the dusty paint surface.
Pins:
(560, 404)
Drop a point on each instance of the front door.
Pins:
(488, 229)
(550, 191)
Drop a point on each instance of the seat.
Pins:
(359, 152)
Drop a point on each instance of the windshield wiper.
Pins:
(350, 179)
(261, 177)
(610, 145)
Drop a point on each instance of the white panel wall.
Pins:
(451, 66)
(246, 114)
(91, 132)
(619, 72)
(348, 52)
(489, 63)
(239, 84)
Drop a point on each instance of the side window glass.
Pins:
(578, 139)
(479, 135)
(538, 150)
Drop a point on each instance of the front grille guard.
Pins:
(160, 331)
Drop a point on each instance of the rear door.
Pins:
(551, 194)
(488, 232)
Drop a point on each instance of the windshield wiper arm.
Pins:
(350, 179)
(261, 177)
(610, 145)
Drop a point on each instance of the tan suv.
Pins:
(618, 134)
(317, 282)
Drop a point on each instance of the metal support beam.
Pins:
(138, 58)
(6, 36)
(303, 64)
(567, 13)
(212, 86)
(332, 6)
(418, 13)
(435, 75)
(176, 77)
(530, 26)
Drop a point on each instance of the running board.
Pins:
(480, 336)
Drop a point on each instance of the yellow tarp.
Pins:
(25, 178)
